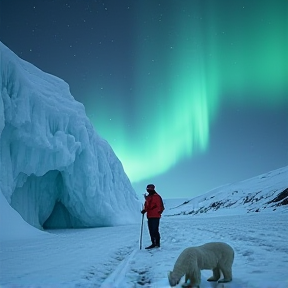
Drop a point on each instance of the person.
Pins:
(153, 207)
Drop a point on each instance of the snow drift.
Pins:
(56, 171)
(13, 227)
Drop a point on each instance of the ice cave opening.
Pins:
(40, 201)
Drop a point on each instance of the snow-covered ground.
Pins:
(110, 256)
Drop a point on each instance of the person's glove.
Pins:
(143, 211)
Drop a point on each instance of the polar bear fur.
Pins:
(216, 256)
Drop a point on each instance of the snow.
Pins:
(13, 226)
(56, 171)
(109, 257)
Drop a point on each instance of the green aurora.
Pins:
(188, 59)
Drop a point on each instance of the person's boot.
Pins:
(157, 242)
(151, 246)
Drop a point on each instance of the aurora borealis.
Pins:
(169, 82)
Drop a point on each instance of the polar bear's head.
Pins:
(173, 279)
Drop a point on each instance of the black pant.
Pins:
(153, 225)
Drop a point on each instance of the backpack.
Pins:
(162, 205)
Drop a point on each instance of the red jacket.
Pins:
(153, 205)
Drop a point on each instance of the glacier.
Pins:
(56, 171)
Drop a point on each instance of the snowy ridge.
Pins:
(264, 193)
(56, 171)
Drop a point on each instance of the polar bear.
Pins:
(217, 256)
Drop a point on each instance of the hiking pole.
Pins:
(141, 232)
(142, 223)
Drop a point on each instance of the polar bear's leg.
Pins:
(216, 275)
(187, 277)
(195, 278)
(189, 280)
(227, 273)
(192, 279)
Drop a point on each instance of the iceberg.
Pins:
(55, 170)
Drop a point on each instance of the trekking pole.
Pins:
(141, 232)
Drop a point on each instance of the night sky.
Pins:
(190, 94)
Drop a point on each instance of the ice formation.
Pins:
(56, 171)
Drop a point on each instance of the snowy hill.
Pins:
(266, 192)
(56, 171)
